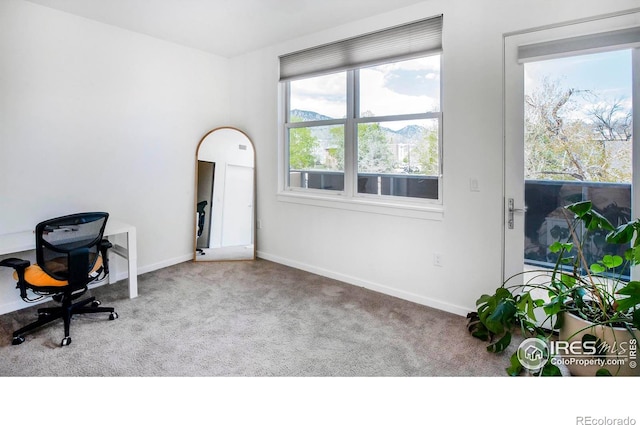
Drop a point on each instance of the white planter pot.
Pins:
(620, 359)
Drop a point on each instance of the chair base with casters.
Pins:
(71, 254)
(65, 312)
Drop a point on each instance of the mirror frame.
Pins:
(195, 203)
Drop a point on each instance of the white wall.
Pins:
(395, 254)
(93, 117)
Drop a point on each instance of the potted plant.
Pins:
(583, 313)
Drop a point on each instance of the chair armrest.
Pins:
(20, 266)
(16, 263)
(104, 246)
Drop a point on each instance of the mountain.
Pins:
(308, 115)
(412, 132)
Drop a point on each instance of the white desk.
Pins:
(26, 241)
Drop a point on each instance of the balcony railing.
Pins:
(405, 185)
(546, 218)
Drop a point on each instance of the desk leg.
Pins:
(130, 254)
(132, 259)
(113, 263)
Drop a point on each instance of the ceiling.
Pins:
(225, 27)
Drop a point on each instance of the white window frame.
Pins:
(350, 198)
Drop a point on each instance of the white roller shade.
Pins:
(414, 39)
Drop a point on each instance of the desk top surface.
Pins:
(25, 240)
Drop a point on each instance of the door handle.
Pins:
(512, 209)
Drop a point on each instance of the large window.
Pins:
(367, 130)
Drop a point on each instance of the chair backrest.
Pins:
(67, 247)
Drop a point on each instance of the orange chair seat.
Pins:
(35, 276)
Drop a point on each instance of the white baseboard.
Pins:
(120, 275)
(163, 264)
(419, 299)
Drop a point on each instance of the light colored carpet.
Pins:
(249, 319)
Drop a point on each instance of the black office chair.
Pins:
(70, 254)
(201, 213)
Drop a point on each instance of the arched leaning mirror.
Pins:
(225, 196)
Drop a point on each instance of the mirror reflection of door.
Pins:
(238, 206)
(225, 193)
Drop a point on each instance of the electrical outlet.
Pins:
(437, 260)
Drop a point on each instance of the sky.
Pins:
(414, 86)
(608, 74)
(405, 87)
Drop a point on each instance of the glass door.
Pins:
(569, 121)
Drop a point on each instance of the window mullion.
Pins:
(286, 177)
(310, 124)
(350, 149)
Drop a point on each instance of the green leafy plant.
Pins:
(596, 291)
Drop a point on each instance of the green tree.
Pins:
(427, 155)
(374, 151)
(302, 145)
(563, 143)
(337, 152)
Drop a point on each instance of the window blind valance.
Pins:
(592, 43)
(405, 41)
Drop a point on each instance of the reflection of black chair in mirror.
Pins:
(70, 254)
(200, 210)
